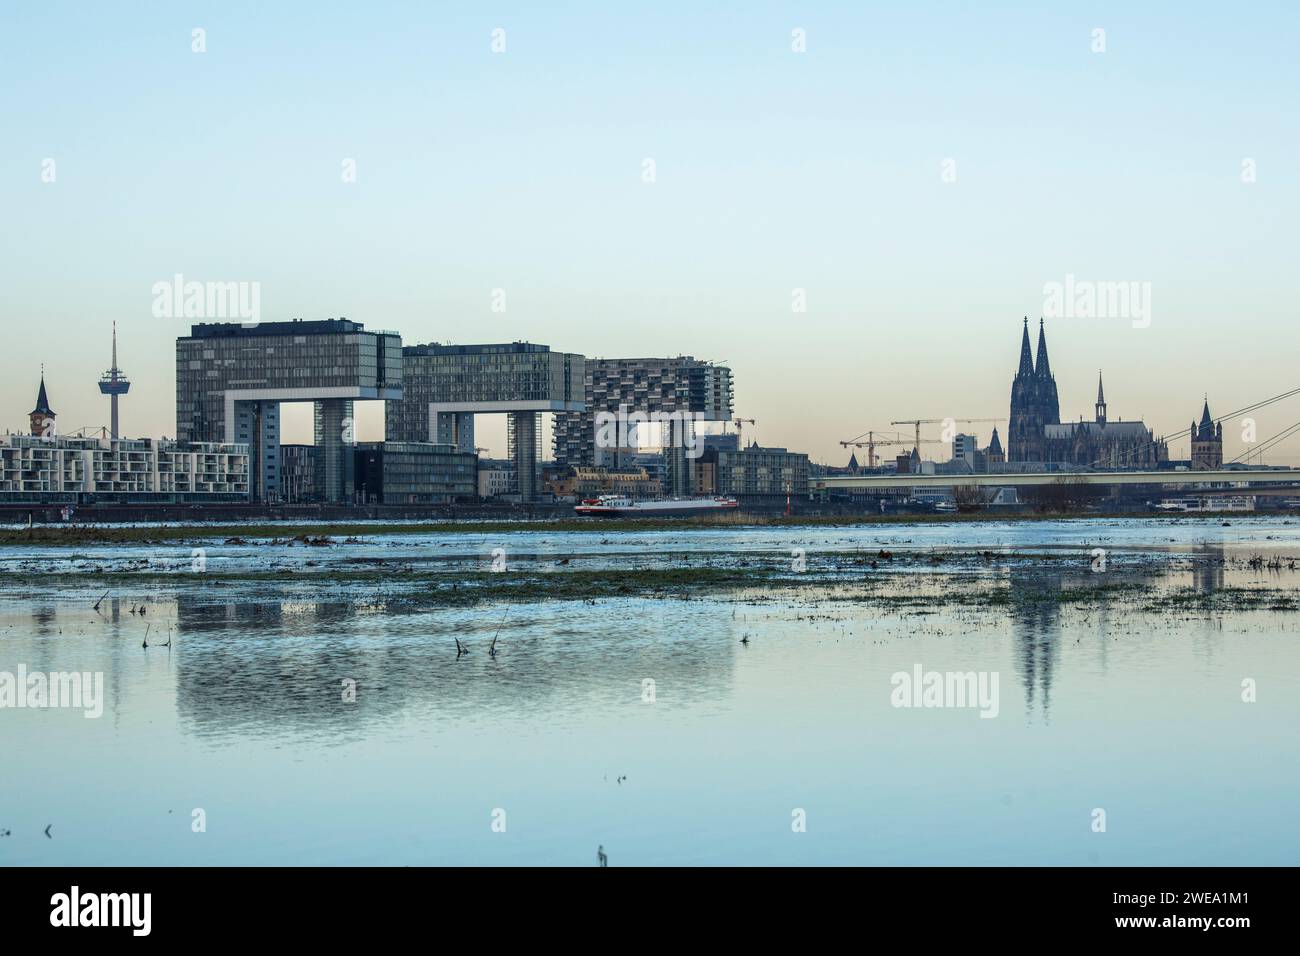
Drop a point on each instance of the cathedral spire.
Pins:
(1026, 356)
(1041, 368)
(1101, 401)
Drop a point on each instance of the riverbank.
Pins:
(73, 534)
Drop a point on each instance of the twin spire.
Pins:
(1028, 365)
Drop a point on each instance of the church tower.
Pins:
(1101, 401)
(1034, 402)
(42, 416)
(994, 452)
(1207, 442)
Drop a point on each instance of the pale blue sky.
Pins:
(775, 170)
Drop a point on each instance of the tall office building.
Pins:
(231, 380)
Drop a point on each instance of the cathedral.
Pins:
(1037, 435)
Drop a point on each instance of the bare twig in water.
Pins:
(492, 651)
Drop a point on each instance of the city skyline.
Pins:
(914, 213)
(370, 423)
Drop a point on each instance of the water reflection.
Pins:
(1036, 627)
(1208, 568)
(280, 665)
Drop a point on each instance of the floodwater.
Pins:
(1152, 724)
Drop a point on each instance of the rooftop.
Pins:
(433, 348)
(340, 326)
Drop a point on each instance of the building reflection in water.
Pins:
(1207, 568)
(279, 665)
(1036, 629)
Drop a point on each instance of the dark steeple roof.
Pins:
(1041, 368)
(1101, 396)
(995, 445)
(853, 461)
(42, 403)
(1026, 357)
(1206, 420)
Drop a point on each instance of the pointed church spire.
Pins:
(42, 402)
(1041, 368)
(1206, 420)
(1026, 356)
(1101, 401)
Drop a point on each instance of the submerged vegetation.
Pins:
(919, 581)
(72, 534)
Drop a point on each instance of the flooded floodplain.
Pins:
(1079, 692)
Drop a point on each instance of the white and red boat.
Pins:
(621, 506)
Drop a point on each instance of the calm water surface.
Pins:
(1103, 704)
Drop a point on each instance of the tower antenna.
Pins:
(114, 383)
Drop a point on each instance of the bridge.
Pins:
(1232, 478)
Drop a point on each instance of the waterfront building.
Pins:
(82, 470)
(408, 473)
(1037, 436)
(298, 482)
(231, 380)
(495, 477)
(1207, 442)
(757, 471)
(445, 386)
(643, 386)
(588, 482)
(653, 464)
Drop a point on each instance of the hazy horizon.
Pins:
(918, 175)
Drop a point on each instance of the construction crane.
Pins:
(918, 422)
(872, 443)
(739, 442)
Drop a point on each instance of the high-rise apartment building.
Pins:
(643, 385)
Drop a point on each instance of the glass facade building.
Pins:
(445, 386)
(645, 385)
(407, 473)
(231, 379)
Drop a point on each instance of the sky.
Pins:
(913, 178)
